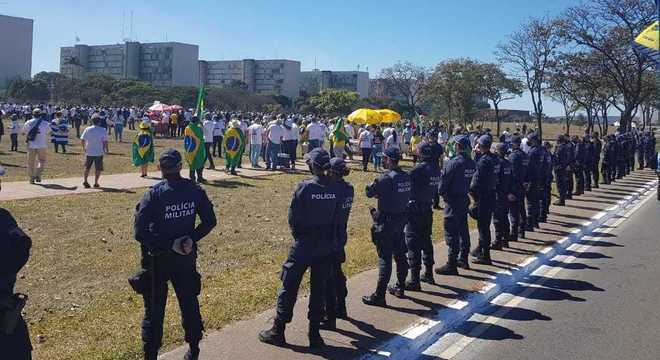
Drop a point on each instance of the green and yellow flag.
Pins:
(193, 136)
(143, 147)
(339, 135)
(234, 142)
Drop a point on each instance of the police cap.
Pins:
(425, 151)
(485, 140)
(462, 140)
(318, 157)
(501, 147)
(392, 153)
(169, 160)
(338, 166)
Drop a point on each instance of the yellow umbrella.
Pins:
(389, 116)
(365, 116)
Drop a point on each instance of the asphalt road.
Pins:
(601, 300)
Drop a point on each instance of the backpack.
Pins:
(32, 134)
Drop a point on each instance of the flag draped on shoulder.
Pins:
(234, 142)
(143, 146)
(339, 135)
(193, 146)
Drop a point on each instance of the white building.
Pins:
(315, 81)
(16, 47)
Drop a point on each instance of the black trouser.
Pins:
(578, 170)
(595, 172)
(180, 130)
(650, 159)
(388, 236)
(517, 216)
(457, 237)
(485, 208)
(533, 205)
(562, 185)
(587, 176)
(289, 147)
(546, 196)
(14, 142)
(77, 126)
(292, 274)
(209, 156)
(418, 241)
(366, 154)
(57, 145)
(17, 344)
(501, 218)
(335, 289)
(199, 172)
(640, 158)
(181, 271)
(570, 182)
(620, 168)
(217, 146)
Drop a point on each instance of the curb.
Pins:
(411, 342)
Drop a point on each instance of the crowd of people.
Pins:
(505, 184)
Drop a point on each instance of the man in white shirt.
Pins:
(36, 130)
(94, 143)
(207, 127)
(315, 134)
(275, 135)
(290, 143)
(218, 131)
(255, 134)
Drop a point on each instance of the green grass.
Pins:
(83, 253)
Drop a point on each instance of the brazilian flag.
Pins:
(234, 142)
(193, 146)
(339, 135)
(143, 147)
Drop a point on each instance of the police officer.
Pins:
(641, 155)
(610, 159)
(312, 219)
(546, 181)
(504, 199)
(392, 190)
(571, 169)
(578, 168)
(649, 148)
(437, 152)
(455, 180)
(14, 253)
(595, 162)
(588, 160)
(621, 159)
(535, 181)
(165, 227)
(482, 190)
(336, 291)
(561, 164)
(519, 163)
(424, 184)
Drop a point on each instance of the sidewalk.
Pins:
(17, 190)
(405, 320)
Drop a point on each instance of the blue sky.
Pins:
(338, 35)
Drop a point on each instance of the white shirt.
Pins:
(94, 137)
(276, 133)
(218, 127)
(523, 145)
(349, 130)
(39, 141)
(387, 132)
(13, 127)
(208, 127)
(390, 142)
(256, 132)
(315, 131)
(366, 140)
(292, 133)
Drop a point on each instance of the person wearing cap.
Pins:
(424, 178)
(482, 189)
(504, 199)
(94, 141)
(437, 152)
(649, 144)
(608, 168)
(595, 158)
(535, 180)
(546, 181)
(195, 150)
(578, 167)
(561, 165)
(336, 290)
(36, 129)
(621, 154)
(455, 179)
(519, 164)
(143, 148)
(312, 219)
(588, 160)
(165, 228)
(392, 190)
(13, 132)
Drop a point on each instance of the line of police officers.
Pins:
(500, 185)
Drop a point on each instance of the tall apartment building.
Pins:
(161, 64)
(278, 77)
(16, 45)
(315, 81)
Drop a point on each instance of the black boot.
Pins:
(413, 283)
(450, 268)
(396, 290)
(476, 252)
(340, 310)
(329, 324)
(463, 263)
(484, 258)
(560, 202)
(151, 355)
(315, 339)
(374, 300)
(193, 352)
(274, 335)
(497, 244)
(428, 276)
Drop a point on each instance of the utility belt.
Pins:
(380, 217)
(141, 280)
(11, 306)
(417, 207)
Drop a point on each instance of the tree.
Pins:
(408, 80)
(497, 87)
(561, 89)
(608, 27)
(528, 51)
(334, 102)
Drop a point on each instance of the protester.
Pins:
(255, 136)
(95, 145)
(35, 131)
(143, 148)
(208, 126)
(13, 132)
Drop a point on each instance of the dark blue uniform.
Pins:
(570, 184)
(546, 184)
(424, 185)
(519, 163)
(534, 190)
(312, 219)
(561, 164)
(588, 161)
(437, 152)
(336, 290)
(14, 253)
(502, 203)
(482, 190)
(393, 193)
(595, 161)
(609, 160)
(166, 212)
(578, 168)
(649, 149)
(455, 180)
(622, 157)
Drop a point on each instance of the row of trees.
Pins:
(583, 59)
